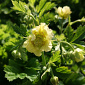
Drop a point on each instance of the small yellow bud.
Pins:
(54, 80)
(64, 12)
(78, 55)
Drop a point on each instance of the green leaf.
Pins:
(11, 73)
(47, 6)
(79, 32)
(19, 6)
(63, 72)
(60, 37)
(17, 70)
(33, 68)
(69, 33)
(40, 6)
(14, 64)
(75, 79)
(48, 17)
(37, 81)
(20, 30)
(10, 76)
(78, 46)
(31, 74)
(34, 63)
(63, 69)
(11, 69)
(22, 75)
(32, 1)
(18, 44)
(55, 57)
(26, 82)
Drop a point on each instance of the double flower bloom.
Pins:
(39, 40)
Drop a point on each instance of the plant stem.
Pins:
(69, 19)
(61, 52)
(52, 73)
(34, 19)
(61, 26)
(68, 44)
(71, 23)
(43, 59)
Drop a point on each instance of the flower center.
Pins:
(39, 41)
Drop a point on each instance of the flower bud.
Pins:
(78, 55)
(44, 68)
(16, 54)
(64, 12)
(54, 80)
(82, 20)
(28, 19)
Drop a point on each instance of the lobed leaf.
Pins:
(31, 74)
(32, 1)
(34, 63)
(75, 79)
(69, 32)
(20, 30)
(63, 72)
(47, 6)
(79, 32)
(63, 69)
(55, 57)
(22, 75)
(47, 18)
(19, 6)
(16, 70)
(40, 6)
(10, 76)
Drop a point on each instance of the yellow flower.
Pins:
(78, 55)
(39, 40)
(64, 12)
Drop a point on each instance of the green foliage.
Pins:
(19, 6)
(63, 72)
(79, 34)
(47, 6)
(47, 18)
(76, 78)
(14, 70)
(32, 1)
(75, 35)
(20, 30)
(55, 57)
(41, 5)
(69, 33)
(8, 35)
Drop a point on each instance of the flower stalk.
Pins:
(43, 59)
(79, 20)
